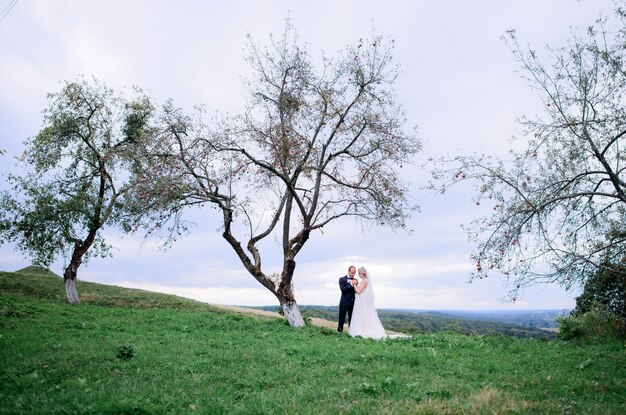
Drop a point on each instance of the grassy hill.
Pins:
(128, 351)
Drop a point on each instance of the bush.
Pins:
(606, 286)
(596, 324)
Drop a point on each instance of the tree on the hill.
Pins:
(72, 179)
(559, 202)
(315, 144)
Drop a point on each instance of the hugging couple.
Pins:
(357, 300)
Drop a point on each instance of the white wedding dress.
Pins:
(365, 321)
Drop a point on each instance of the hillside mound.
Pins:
(38, 270)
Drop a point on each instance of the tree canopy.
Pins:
(317, 142)
(72, 176)
(559, 203)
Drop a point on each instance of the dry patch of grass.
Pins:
(248, 311)
(317, 322)
(488, 399)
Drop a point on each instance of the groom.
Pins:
(346, 285)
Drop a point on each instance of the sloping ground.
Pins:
(40, 282)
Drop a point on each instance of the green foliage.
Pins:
(597, 324)
(43, 224)
(607, 286)
(600, 311)
(55, 358)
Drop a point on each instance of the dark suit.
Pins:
(346, 304)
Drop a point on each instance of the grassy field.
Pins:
(133, 352)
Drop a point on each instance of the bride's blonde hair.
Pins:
(362, 270)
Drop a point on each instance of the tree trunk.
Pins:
(292, 313)
(287, 297)
(70, 284)
(69, 275)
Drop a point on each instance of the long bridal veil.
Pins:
(369, 291)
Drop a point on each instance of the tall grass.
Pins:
(134, 352)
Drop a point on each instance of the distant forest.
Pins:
(531, 324)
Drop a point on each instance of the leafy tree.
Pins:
(605, 287)
(73, 177)
(559, 203)
(315, 144)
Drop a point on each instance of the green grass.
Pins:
(133, 352)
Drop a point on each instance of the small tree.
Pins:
(314, 145)
(74, 177)
(559, 203)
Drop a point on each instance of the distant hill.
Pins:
(488, 323)
(541, 319)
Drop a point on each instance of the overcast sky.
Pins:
(459, 86)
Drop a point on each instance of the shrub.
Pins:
(125, 352)
(596, 324)
(606, 286)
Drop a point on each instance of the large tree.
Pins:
(71, 176)
(317, 142)
(557, 202)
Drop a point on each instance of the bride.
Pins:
(365, 321)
